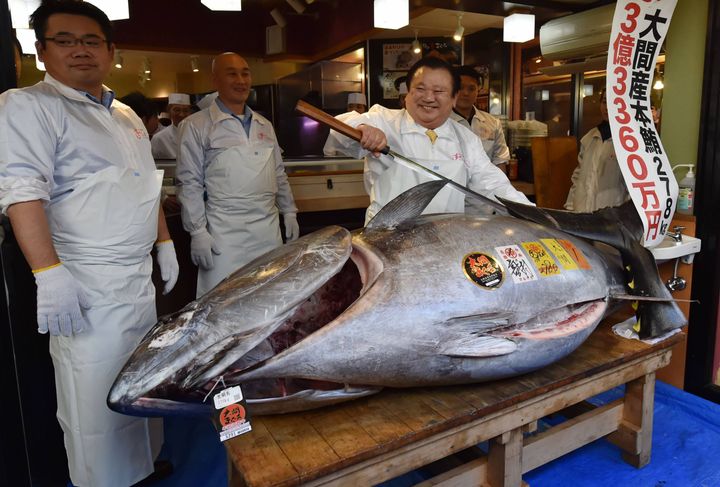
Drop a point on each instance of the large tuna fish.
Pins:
(408, 301)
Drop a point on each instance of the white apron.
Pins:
(241, 211)
(104, 232)
(399, 178)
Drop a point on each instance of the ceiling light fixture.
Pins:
(416, 47)
(118, 60)
(194, 64)
(114, 9)
(223, 5)
(278, 17)
(457, 36)
(297, 5)
(391, 14)
(146, 67)
(519, 28)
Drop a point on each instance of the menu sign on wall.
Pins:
(638, 31)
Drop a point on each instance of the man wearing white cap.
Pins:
(357, 103)
(164, 143)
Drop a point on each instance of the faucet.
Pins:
(676, 234)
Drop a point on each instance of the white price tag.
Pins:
(228, 396)
(235, 430)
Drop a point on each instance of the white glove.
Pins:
(202, 246)
(167, 261)
(292, 229)
(59, 299)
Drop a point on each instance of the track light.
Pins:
(118, 60)
(194, 64)
(416, 47)
(460, 29)
(297, 5)
(278, 17)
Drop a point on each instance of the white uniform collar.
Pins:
(69, 92)
(409, 125)
(217, 115)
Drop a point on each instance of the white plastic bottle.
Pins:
(686, 193)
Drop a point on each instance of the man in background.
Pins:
(164, 143)
(485, 126)
(231, 180)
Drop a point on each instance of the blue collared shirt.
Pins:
(107, 98)
(245, 120)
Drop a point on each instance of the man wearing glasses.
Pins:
(425, 133)
(78, 182)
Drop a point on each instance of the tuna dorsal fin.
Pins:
(406, 206)
(619, 227)
(473, 345)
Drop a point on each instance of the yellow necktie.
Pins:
(431, 135)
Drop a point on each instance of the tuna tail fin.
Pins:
(406, 206)
(621, 228)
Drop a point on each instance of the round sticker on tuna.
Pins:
(483, 270)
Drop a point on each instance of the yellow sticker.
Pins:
(576, 254)
(560, 254)
(545, 264)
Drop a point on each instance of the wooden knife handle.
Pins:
(327, 119)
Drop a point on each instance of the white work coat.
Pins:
(490, 131)
(93, 169)
(164, 143)
(232, 185)
(597, 181)
(456, 154)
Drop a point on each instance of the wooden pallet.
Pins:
(370, 440)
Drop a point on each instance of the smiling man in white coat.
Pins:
(79, 185)
(231, 179)
(164, 143)
(425, 133)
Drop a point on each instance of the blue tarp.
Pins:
(685, 452)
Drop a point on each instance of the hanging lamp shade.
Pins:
(223, 5)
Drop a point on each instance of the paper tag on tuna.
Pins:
(228, 396)
(231, 417)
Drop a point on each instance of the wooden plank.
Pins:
(470, 473)
(571, 435)
(259, 460)
(377, 421)
(504, 467)
(306, 449)
(341, 432)
(409, 408)
(638, 411)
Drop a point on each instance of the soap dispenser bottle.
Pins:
(686, 193)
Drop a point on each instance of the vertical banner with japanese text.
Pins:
(638, 31)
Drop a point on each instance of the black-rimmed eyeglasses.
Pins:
(92, 42)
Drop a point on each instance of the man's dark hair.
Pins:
(141, 105)
(39, 18)
(434, 63)
(468, 71)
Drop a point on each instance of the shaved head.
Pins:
(232, 79)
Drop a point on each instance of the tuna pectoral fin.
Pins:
(477, 346)
(621, 228)
(406, 206)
